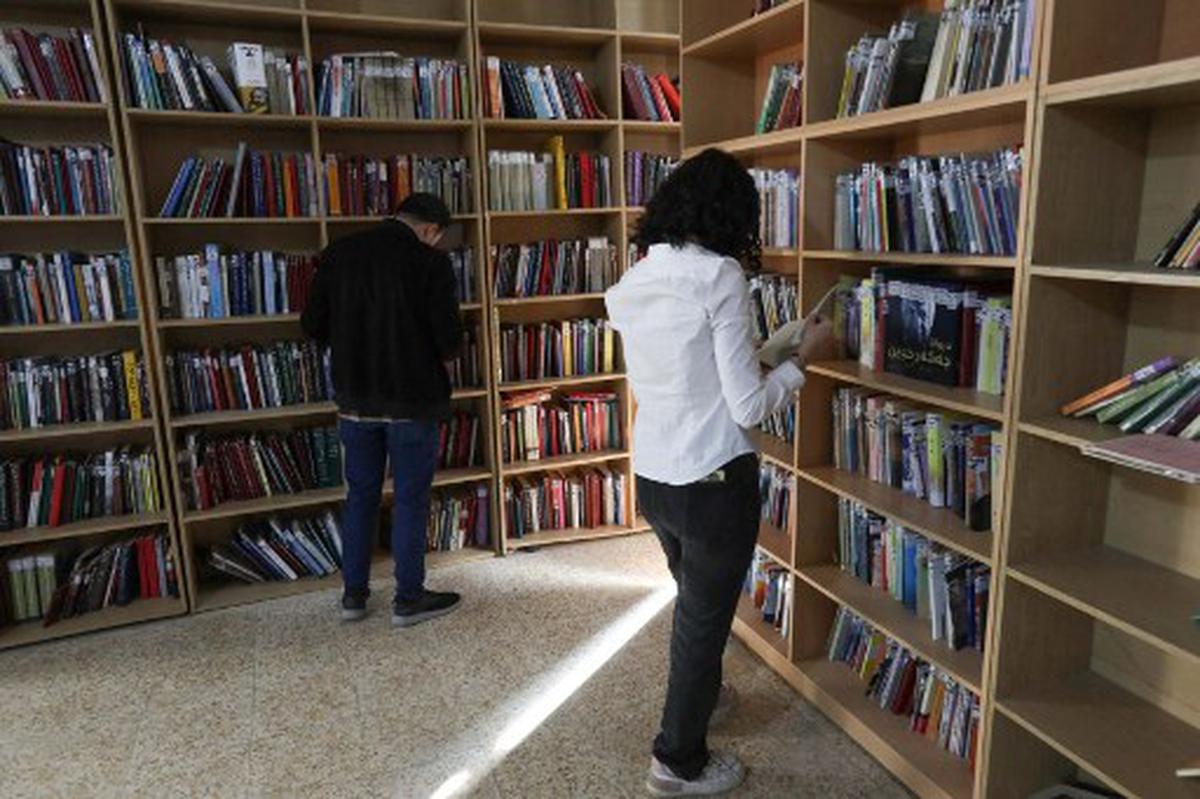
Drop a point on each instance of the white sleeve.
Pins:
(751, 397)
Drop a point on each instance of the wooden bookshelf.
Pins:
(71, 123)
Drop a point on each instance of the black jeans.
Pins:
(707, 530)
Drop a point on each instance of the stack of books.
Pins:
(946, 204)
(952, 332)
(167, 76)
(253, 183)
(528, 181)
(279, 550)
(567, 348)
(557, 501)
(779, 206)
(551, 267)
(248, 377)
(66, 288)
(464, 370)
(770, 587)
(1161, 398)
(1182, 250)
(361, 185)
(945, 459)
(458, 441)
(935, 704)
(644, 173)
(462, 262)
(650, 98)
(774, 301)
(243, 466)
(51, 490)
(948, 589)
(459, 518)
(386, 85)
(55, 389)
(538, 425)
(776, 486)
(781, 424)
(73, 180)
(102, 576)
(527, 91)
(42, 66)
(783, 101)
(215, 284)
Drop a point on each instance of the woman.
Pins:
(683, 313)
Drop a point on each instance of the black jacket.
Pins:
(386, 304)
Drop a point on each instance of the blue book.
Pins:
(66, 268)
(910, 571)
(268, 271)
(182, 179)
(125, 276)
(216, 294)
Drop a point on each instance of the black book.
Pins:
(923, 330)
(912, 58)
(1177, 238)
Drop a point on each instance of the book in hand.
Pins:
(361, 185)
(386, 85)
(514, 90)
(459, 518)
(66, 288)
(49, 67)
(1182, 249)
(646, 97)
(787, 337)
(279, 550)
(644, 173)
(585, 498)
(551, 267)
(566, 348)
(57, 390)
(783, 101)
(541, 424)
(215, 283)
(770, 588)
(247, 183)
(779, 201)
(248, 377)
(47, 180)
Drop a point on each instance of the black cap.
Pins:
(427, 208)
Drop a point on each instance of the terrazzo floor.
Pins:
(510, 697)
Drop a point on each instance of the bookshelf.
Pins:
(54, 123)
(1095, 571)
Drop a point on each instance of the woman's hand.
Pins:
(818, 338)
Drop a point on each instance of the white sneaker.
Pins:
(723, 773)
(727, 700)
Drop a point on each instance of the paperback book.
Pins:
(514, 90)
(647, 97)
(770, 587)
(459, 445)
(556, 179)
(1182, 249)
(774, 301)
(779, 204)
(644, 173)
(781, 424)
(783, 100)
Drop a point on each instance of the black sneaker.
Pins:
(354, 605)
(431, 605)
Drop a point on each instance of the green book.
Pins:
(46, 582)
(16, 586)
(1132, 399)
(1149, 410)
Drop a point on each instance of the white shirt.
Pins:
(684, 319)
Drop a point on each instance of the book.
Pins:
(529, 181)
(56, 390)
(776, 487)
(578, 499)
(248, 377)
(387, 85)
(250, 183)
(361, 185)
(769, 586)
(561, 348)
(50, 66)
(1182, 249)
(459, 518)
(30, 288)
(247, 63)
(888, 71)
(71, 180)
(216, 283)
(782, 101)
(545, 425)
(785, 333)
(459, 441)
(1086, 404)
(554, 268)
(779, 201)
(644, 173)
(277, 549)
(642, 95)
(515, 90)
(980, 44)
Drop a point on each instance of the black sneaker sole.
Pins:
(413, 619)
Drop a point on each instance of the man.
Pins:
(385, 302)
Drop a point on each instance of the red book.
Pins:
(66, 65)
(635, 104)
(660, 102)
(671, 95)
(139, 553)
(269, 190)
(592, 110)
(585, 181)
(56, 493)
(966, 358)
(252, 377)
(31, 57)
(151, 556)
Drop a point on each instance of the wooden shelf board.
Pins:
(767, 457)
(1171, 83)
(916, 258)
(137, 611)
(1000, 106)
(557, 35)
(191, 119)
(546, 299)
(570, 535)
(882, 611)
(468, 393)
(1129, 743)
(52, 108)
(1132, 274)
(775, 542)
(59, 432)
(646, 126)
(61, 219)
(82, 327)
(964, 400)
(392, 125)
(918, 761)
(1069, 431)
(755, 143)
(81, 529)
(1140, 598)
(469, 474)
(780, 252)
(649, 41)
(230, 321)
(752, 618)
(265, 504)
(771, 30)
(937, 524)
(553, 212)
(254, 415)
(366, 220)
(230, 221)
(776, 449)
(553, 382)
(340, 21)
(562, 462)
(549, 125)
(212, 11)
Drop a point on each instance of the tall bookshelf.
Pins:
(1094, 567)
(40, 122)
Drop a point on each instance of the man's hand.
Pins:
(818, 340)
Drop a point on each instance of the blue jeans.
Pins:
(412, 448)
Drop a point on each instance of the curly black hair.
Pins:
(710, 200)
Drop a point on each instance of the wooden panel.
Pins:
(720, 100)
(650, 16)
(1095, 36)
(1160, 678)
(1154, 518)
(1044, 642)
(1020, 764)
(1171, 175)
(417, 9)
(576, 14)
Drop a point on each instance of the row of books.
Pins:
(973, 45)
(946, 588)
(458, 441)
(566, 348)
(243, 466)
(781, 424)
(163, 75)
(67, 583)
(52, 490)
(557, 501)
(54, 389)
(650, 98)
(462, 263)
(66, 288)
(217, 284)
(779, 206)
(278, 550)
(777, 488)
(644, 173)
(248, 377)
(538, 424)
(553, 267)
(459, 518)
(783, 100)
(948, 204)
(513, 90)
(774, 301)
(386, 85)
(360, 185)
(1160, 398)
(42, 66)
(771, 588)
(945, 459)
(464, 371)
(257, 183)
(1182, 249)
(72, 180)
(956, 333)
(936, 705)
(528, 181)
